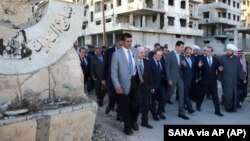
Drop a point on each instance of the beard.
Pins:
(229, 54)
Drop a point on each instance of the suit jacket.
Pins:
(209, 75)
(173, 71)
(157, 75)
(85, 67)
(188, 72)
(147, 74)
(107, 63)
(120, 73)
(97, 68)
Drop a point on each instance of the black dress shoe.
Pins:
(162, 116)
(191, 111)
(198, 108)
(155, 118)
(100, 103)
(219, 114)
(119, 118)
(107, 110)
(128, 131)
(147, 125)
(183, 117)
(169, 102)
(135, 126)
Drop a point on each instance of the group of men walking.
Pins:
(139, 82)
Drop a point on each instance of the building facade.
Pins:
(245, 17)
(149, 21)
(219, 15)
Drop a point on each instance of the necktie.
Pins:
(83, 61)
(189, 62)
(130, 63)
(101, 59)
(141, 66)
(209, 62)
(159, 65)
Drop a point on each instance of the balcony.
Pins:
(221, 6)
(243, 18)
(216, 20)
(140, 8)
(195, 16)
(184, 31)
(243, 7)
(196, 1)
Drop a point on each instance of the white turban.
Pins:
(196, 47)
(232, 47)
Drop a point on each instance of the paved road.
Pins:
(205, 116)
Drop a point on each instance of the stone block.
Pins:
(21, 131)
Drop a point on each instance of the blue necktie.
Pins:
(101, 59)
(189, 62)
(209, 62)
(159, 65)
(130, 63)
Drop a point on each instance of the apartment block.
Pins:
(217, 16)
(149, 21)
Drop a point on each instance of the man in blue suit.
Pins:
(187, 69)
(209, 67)
(158, 92)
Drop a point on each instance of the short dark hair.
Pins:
(157, 51)
(179, 43)
(210, 48)
(187, 47)
(82, 48)
(126, 35)
(157, 44)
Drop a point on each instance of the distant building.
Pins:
(219, 15)
(149, 21)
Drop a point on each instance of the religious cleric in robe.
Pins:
(230, 70)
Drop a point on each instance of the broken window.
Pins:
(183, 22)
(229, 15)
(171, 21)
(119, 2)
(191, 24)
(178, 36)
(98, 22)
(91, 16)
(97, 7)
(183, 4)
(205, 15)
(171, 2)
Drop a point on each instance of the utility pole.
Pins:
(104, 24)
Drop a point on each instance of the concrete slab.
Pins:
(21, 131)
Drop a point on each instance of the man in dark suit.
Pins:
(196, 81)
(144, 87)
(209, 67)
(107, 72)
(187, 69)
(158, 86)
(96, 72)
(174, 76)
(85, 65)
(124, 66)
(157, 46)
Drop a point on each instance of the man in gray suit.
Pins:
(174, 76)
(124, 66)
